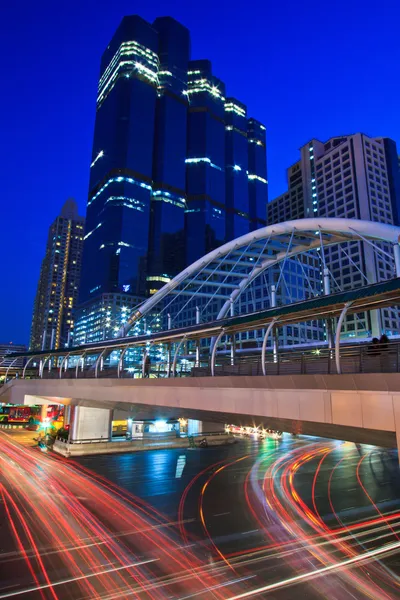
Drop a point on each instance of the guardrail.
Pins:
(167, 436)
(356, 358)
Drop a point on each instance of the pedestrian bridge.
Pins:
(361, 408)
(205, 372)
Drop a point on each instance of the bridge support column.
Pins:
(197, 427)
(67, 414)
(90, 424)
(43, 412)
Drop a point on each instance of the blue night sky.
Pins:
(305, 69)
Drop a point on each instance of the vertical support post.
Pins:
(129, 428)
(337, 340)
(327, 291)
(176, 356)
(233, 349)
(169, 326)
(233, 336)
(53, 331)
(80, 362)
(121, 361)
(396, 252)
(327, 282)
(273, 305)
(214, 351)
(169, 359)
(99, 362)
(110, 425)
(197, 342)
(145, 355)
(273, 296)
(74, 418)
(264, 345)
(67, 414)
(43, 412)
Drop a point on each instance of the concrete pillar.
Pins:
(195, 427)
(110, 426)
(208, 427)
(90, 423)
(67, 415)
(43, 412)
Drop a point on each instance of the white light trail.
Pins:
(72, 579)
(318, 572)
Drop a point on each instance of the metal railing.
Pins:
(355, 358)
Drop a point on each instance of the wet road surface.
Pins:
(300, 517)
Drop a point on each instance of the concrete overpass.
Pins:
(361, 408)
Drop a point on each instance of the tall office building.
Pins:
(353, 177)
(177, 169)
(57, 292)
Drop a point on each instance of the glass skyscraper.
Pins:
(177, 169)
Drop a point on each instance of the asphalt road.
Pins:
(296, 518)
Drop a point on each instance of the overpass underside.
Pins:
(363, 408)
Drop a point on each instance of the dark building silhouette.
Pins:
(57, 292)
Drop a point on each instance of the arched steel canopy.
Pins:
(240, 261)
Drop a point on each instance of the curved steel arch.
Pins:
(341, 230)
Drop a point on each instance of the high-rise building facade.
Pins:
(57, 291)
(177, 169)
(5, 361)
(353, 177)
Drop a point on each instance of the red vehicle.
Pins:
(22, 414)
